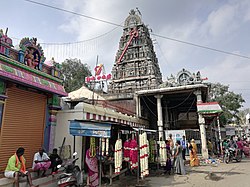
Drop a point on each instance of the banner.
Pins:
(100, 130)
(176, 134)
(230, 131)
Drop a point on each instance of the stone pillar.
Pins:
(138, 105)
(159, 115)
(204, 150)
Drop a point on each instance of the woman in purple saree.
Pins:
(92, 164)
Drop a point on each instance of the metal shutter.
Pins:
(23, 124)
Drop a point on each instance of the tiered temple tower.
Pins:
(136, 66)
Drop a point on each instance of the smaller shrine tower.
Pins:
(136, 66)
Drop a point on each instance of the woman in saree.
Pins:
(168, 164)
(194, 161)
(179, 162)
(92, 164)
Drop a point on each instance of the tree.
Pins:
(74, 73)
(229, 101)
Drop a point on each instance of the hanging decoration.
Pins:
(103, 146)
(152, 150)
(118, 156)
(126, 152)
(144, 151)
(133, 155)
(92, 147)
(163, 153)
(107, 146)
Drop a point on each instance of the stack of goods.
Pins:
(118, 156)
(144, 151)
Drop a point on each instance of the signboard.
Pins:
(100, 130)
(230, 131)
(99, 75)
(176, 134)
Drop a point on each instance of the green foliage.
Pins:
(229, 101)
(74, 73)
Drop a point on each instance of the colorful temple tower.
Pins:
(30, 94)
(136, 65)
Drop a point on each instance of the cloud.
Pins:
(220, 25)
(230, 71)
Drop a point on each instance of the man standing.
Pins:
(41, 162)
(171, 143)
(184, 146)
(16, 167)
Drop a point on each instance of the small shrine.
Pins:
(5, 43)
(183, 77)
(28, 53)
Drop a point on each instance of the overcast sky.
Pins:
(223, 25)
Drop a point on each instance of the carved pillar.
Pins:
(159, 114)
(201, 120)
(138, 105)
(54, 106)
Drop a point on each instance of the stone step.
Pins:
(41, 181)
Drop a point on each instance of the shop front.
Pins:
(29, 97)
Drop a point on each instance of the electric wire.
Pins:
(154, 34)
(201, 46)
(179, 119)
(149, 108)
(72, 12)
(179, 104)
(173, 121)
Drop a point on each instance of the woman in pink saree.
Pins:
(92, 164)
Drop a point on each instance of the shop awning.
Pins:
(89, 128)
(211, 108)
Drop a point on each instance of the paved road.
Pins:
(225, 175)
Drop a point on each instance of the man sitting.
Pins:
(55, 160)
(41, 162)
(16, 167)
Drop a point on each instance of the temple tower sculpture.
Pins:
(136, 66)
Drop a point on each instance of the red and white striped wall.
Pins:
(91, 116)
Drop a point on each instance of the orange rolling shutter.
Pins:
(23, 124)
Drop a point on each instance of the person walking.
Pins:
(184, 146)
(194, 160)
(179, 162)
(16, 167)
(240, 146)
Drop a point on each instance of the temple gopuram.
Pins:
(136, 65)
(29, 98)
